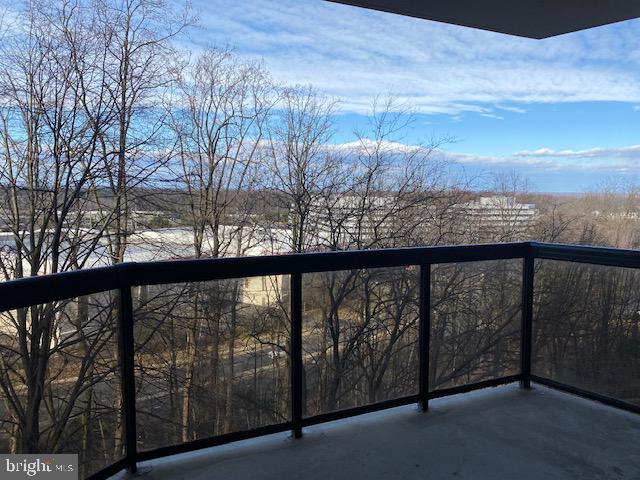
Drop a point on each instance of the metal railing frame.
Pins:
(37, 290)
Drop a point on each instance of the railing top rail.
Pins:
(223, 268)
(613, 257)
(29, 291)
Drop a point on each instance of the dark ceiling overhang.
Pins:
(525, 18)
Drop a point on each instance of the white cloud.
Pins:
(511, 109)
(354, 54)
(492, 115)
(629, 152)
(366, 144)
(608, 160)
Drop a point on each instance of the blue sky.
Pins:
(564, 111)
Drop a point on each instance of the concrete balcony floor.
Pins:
(497, 433)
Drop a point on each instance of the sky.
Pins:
(563, 112)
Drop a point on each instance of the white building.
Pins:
(345, 220)
(499, 214)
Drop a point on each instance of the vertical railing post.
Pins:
(527, 319)
(126, 350)
(296, 354)
(424, 332)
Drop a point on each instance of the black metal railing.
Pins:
(27, 292)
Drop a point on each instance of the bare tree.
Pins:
(75, 83)
(140, 64)
(388, 194)
(301, 167)
(52, 117)
(218, 129)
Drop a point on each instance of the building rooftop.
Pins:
(502, 432)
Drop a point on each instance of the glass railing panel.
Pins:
(586, 327)
(211, 358)
(60, 380)
(360, 337)
(475, 322)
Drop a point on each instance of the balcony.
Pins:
(502, 432)
(424, 326)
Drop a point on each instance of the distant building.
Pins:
(624, 215)
(265, 291)
(177, 243)
(499, 215)
(345, 219)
